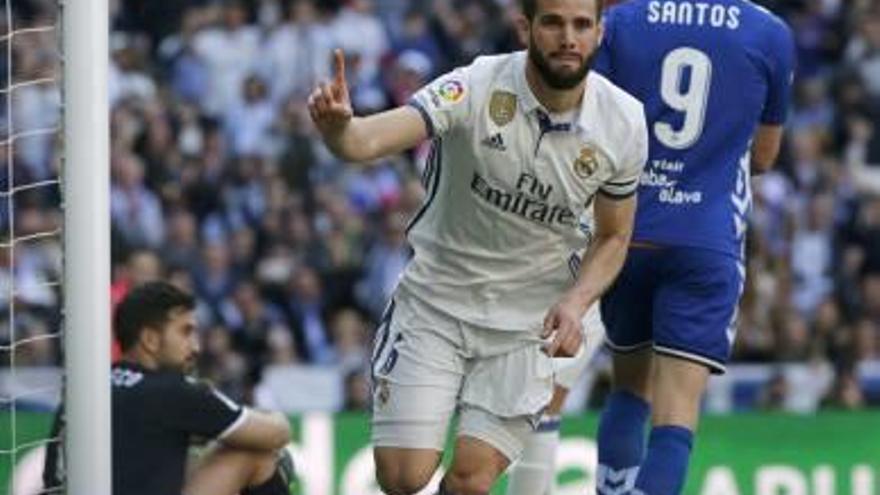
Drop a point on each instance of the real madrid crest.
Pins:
(502, 107)
(587, 163)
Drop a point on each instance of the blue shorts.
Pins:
(680, 300)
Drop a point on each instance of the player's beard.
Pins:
(554, 78)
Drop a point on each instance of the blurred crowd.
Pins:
(221, 184)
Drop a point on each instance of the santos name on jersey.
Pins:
(510, 187)
(707, 72)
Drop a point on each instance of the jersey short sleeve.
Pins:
(625, 180)
(445, 102)
(199, 409)
(780, 60)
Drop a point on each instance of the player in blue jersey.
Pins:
(714, 77)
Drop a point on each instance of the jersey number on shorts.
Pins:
(690, 100)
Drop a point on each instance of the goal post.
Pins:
(86, 183)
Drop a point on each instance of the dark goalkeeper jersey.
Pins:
(156, 415)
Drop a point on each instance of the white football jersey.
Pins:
(509, 190)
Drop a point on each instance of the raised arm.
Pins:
(359, 139)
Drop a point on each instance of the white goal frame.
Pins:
(86, 184)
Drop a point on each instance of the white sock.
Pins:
(535, 471)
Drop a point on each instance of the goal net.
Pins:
(53, 182)
(30, 227)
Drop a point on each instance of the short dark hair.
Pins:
(148, 305)
(530, 8)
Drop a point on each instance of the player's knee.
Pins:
(404, 472)
(468, 482)
(401, 481)
(403, 485)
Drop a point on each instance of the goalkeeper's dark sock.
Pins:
(275, 485)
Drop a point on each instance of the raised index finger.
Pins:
(339, 67)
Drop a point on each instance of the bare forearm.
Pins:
(361, 139)
(765, 148)
(261, 430)
(350, 143)
(603, 261)
(759, 167)
(599, 268)
(368, 138)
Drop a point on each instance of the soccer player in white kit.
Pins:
(534, 473)
(525, 146)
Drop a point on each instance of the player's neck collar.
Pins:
(529, 102)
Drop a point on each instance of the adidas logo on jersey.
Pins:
(495, 141)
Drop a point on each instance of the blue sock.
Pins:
(665, 467)
(621, 441)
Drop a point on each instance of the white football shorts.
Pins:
(427, 363)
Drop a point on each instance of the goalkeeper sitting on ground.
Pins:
(158, 412)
